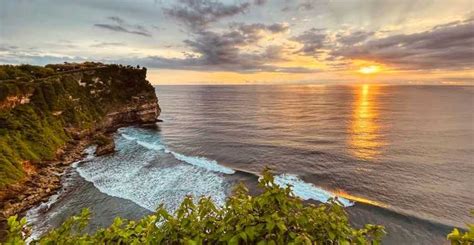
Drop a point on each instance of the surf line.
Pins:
(202, 162)
(300, 188)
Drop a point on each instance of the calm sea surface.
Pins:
(400, 156)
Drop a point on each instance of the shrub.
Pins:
(274, 217)
(459, 238)
(462, 238)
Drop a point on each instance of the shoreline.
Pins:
(39, 185)
(44, 181)
(75, 152)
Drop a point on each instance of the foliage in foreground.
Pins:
(274, 217)
(462, 238)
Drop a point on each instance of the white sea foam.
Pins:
(142, 172)
(146, 172)
(151, 146)
(34, 216)
(306, 190)
(151, 187)
(202, 162)
(128, 137)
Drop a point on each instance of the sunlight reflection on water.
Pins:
(365, 140)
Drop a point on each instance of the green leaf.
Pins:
(234, 240)
(281, 226)
(243, 235)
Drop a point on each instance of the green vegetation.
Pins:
(25, 72)
(462, 238)
(41, 110)
(274, 217)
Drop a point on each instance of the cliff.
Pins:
(45, 110)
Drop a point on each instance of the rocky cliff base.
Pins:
(45, 180)
(48, 115)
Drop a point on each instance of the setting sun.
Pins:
(369, 69)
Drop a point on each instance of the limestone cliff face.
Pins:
(14, 100)
(141, 110)
(39, 116)
(48, 115)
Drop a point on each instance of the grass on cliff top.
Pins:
(274, 217)
(36, 129)
(24, 71)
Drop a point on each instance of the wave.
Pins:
(164, 186)
(150, 178)
(308, 191)
(300, 188)
(202, 162)
(128, 137)
(35, 215)
(151, 146)
(126, 176)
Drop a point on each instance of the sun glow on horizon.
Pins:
(369, 69)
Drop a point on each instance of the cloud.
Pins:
(227, 51)
(197, 14)
(255, 31)
(313, 40)
(37, 58)
(352, 38)
(306, 5)
(107, 44)
(7, 48)
(199, 64)
(449, 46)
(260, 2)
(303, 5)
(120, 25)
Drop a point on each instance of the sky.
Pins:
(250, 41)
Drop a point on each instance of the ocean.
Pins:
(399, 156)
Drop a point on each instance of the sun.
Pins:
(369, 69)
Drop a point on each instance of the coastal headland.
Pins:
(48, 115)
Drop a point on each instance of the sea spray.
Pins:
(144, 140)
(142, 172)
(302, 189)
(306, 190)
(203, 163)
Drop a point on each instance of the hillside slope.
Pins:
(42, 109)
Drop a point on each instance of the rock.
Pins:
(104, 150)
(105, 145)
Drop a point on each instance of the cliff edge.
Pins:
(49, 114)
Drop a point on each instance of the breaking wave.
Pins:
(149, 177)
(146, 172)
(308, 191)
(202, 162)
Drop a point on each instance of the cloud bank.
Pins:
(120, 25)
